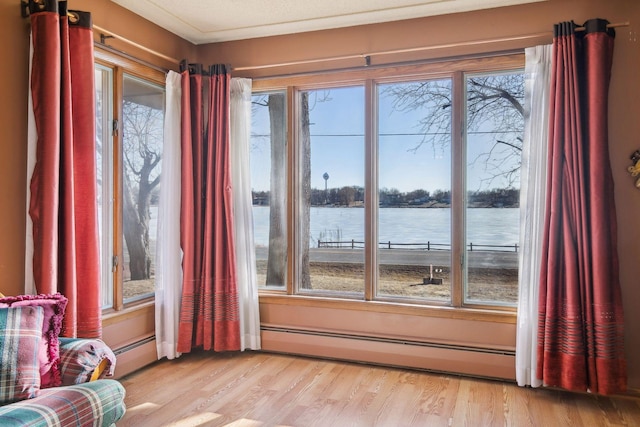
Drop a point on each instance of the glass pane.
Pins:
(331, 218)
(495, 126)
(142, 132)
(269, 187)
(104, 175)
(414, 173)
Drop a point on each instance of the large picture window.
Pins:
(130, 119)
(405, 183)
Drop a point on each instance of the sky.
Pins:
(337, 146)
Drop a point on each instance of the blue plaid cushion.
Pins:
(20, 336)
(98, 403)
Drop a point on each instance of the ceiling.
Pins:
(209, 21)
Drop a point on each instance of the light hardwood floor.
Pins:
(263, 389)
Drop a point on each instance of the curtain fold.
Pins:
(62, 184)
(168, 290)
(249, 313)
(532, 203)
(209, 312)
(580, 326)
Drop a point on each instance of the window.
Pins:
(104, 173)
(493, 145)
(331, 218)
(129, 132)
(414, 176)
(269, 186)
(405, 183)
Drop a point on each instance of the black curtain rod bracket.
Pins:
(104, 37)
(24, 9)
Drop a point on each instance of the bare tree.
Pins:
(141, 154)
(347, 195)
(494, 107)
(277, 252)
(305, 190)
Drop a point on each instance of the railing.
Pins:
(429, 246)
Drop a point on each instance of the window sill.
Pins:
(484, 314)
(111, 316)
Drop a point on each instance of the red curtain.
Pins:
(580, 337)
(209, 311)
(63, 185)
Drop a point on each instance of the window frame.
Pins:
(455, 69)
(121, 65)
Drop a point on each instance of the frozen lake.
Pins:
(485, 226)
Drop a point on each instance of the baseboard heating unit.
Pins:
(430, 356)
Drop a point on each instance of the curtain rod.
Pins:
(107, 48)
(367, 56)
(111, 34)
(24, 6)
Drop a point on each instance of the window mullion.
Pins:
(293, 189)
(117, 189)
(457, 191)
(371, 192)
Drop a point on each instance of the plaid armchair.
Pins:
(85, 397)
(50, 381)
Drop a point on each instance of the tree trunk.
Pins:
(305, 192)
(136, 236)
(141, 156)
(277, 257)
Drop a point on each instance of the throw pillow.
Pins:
(53, 310)
(82, 359)
(20, 336)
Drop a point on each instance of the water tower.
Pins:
(326, 194)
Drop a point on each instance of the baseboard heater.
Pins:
(429, 356)
(134, 345)
(390, 340)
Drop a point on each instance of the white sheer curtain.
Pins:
(240, 132)
(532, 203)
(32, 141)
(168, 252)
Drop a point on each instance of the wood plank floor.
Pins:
(263, 389)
